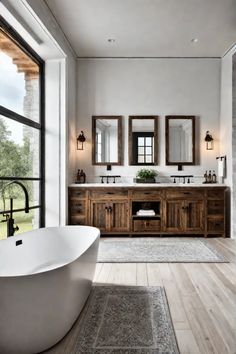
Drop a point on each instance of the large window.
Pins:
(21, 130)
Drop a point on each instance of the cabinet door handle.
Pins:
(109, 209)
(186, 192)
(147, 193)
(109, 192)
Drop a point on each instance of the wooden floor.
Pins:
(201, 296)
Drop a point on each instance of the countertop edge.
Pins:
(146, 185)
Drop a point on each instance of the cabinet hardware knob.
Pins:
(110, 192)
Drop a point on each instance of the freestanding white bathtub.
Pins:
(44, 283)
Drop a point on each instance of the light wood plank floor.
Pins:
(201, 296)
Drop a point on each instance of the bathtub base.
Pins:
(38, 310)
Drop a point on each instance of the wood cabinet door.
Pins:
(173, 215)
(119, 216)
(194, 215)
(99, 215)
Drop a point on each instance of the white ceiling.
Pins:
(147, 28)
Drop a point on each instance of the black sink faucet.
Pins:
(9, 217)
(183, 177)
(108, 178)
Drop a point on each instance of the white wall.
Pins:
(226, 114)
(149, 86)
(227, 134)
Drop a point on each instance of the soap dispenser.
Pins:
(214, 177)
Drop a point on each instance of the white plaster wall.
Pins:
(227, 136)
(52, 210)
(149, 86)
(226, 114)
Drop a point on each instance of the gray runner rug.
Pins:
(158, 250)
(126, 320)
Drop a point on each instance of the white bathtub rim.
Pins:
(57, 267)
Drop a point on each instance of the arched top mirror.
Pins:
(143, 133)
(107, 140)
(180, 140)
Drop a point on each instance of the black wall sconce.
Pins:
(80, 141)
(209, 141)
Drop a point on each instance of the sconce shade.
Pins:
(80, 141)
(209, 141)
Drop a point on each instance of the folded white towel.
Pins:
(146, 213)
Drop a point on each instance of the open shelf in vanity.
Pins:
(150, 219)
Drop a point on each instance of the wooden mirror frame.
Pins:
(119, 140)
(180, 164)
(155, 118)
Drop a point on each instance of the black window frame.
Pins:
(40, 126)
(136, 136)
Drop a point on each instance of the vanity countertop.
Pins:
(146, 185)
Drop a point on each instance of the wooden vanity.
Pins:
(179, 210)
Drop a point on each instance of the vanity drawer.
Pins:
(215, 194)
(77, 207)
(185, 194)
(76, 193)
(215, 225)
(75, 220)
(108, 193)
(145, 194)
(215, 207)
(147, 225)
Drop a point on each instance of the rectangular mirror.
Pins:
(180, 140)
(106, 140)
(143, 140)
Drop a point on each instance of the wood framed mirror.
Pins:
(143, 136)
(106, 140)
(180, 140)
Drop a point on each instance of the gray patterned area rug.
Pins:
(158, 250)
(126, 320)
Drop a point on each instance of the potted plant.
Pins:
(146, 176)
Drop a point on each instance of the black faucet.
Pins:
(183, 178)
(9, 217)
(108, 178)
